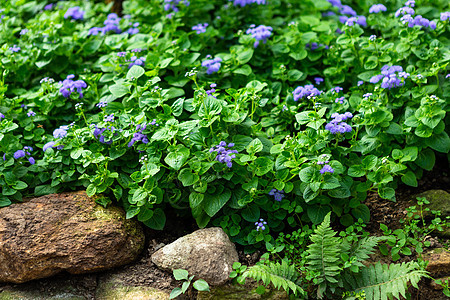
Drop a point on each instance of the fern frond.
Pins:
(363, 248)
(279, 275)
(324, 255)
(380, 282)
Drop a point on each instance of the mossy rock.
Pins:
(241, 292)
(17, 293)
(110, 288)
(439, 200)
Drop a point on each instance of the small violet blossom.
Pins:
(31, 113)
(318, 80)
(75, 13)
(260, 225)
(305, 91)
(212, 65)
(139, 135)
(60, 132)
(377, 8)
(326, 169)
(445, 16)
(391, 77)
(260, 33)
(48, 146)
(337, 125)
(200, 28)
(224, 155)
(243, 3)
(278, 195)
(14, 48)
(69, 86)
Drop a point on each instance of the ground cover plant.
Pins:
(261, 117)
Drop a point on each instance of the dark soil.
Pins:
(144, 273)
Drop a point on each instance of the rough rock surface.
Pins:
(439, 262)
(206, 253)
(242, 292)
(69, 231)
(439, 200)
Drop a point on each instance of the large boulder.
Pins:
(206, 253)
(68, 231)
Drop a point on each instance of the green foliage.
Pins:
(381, 281)
(183, 275)
(279, 275)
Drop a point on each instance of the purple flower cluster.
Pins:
(14, 48)
(2, 116)
(98, 134)
(172, 4)
(314, 46)
(102, 104)
(243, 3)
(69, 86)
(391, 76)
(23, 31)
(260, 225)
(224, 155)
(139, 135)
(111, 24)
(326, 169)
(212, 65)
(212, 90)
(49, 6)
(406, 13)
(23, 153)
(377, 8)
(60, 132)
(134, 60)
(260, 33)
(48, 145)
(336, 90)
(347, 11)
(445, 16)
(134, 29)
(337, 125)
(75, 13)
(200, 28)
(278, 195)
(340, 100)
(305, 91)
(318, 80)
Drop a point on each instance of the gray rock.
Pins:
(438, 262)
(49, 234)
(242, 292)
(206, 253)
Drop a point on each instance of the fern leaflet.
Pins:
(380, 282)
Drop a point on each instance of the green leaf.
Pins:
(177, 159)
(119, 90)
(132, 211)
(244, 70)
(4, 202)
(255, 146)
(195, 199)
(410, 179)
(187, 177)
(76, 153)
(244, 56)
(317, 213)
(386, 193)
(263, 165)
(361, 212)
(135, 72)
(175, 293)
(180, 274)
(91, 189)
(356, 171)
(251, 213)
(307, 174)
(212, 204)
(294, 75)
(20, 185)
(177, 107)
(201, 285)
(426, 159)
(139, 196)
(439, 142)
(157, 221)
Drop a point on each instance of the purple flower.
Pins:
(336, 90)
(360, 82)
(326, 169)
(2, 116)
(31, 113)
(224, 155)
(200, 28)
(337, 125)
(69, 86)
(347, 10)
(243, 3)
(445, 16)
(260, 33)
(19, 153)
(318, 80)
(109, 118)
(121, 54)
(48, 145)
(307, 91)
(23, 31)
(447, 76)
(14, 48)
(75, 13)
(340, 100)
(139, 135)
(278, 195)
(136, 61)
(31, 160)
(61, 132)
(102, 104)
(377, 8)
(49, 6)
(172, 5)
(212, 65)
(96, 31)
(260, 225)
(391, 77)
